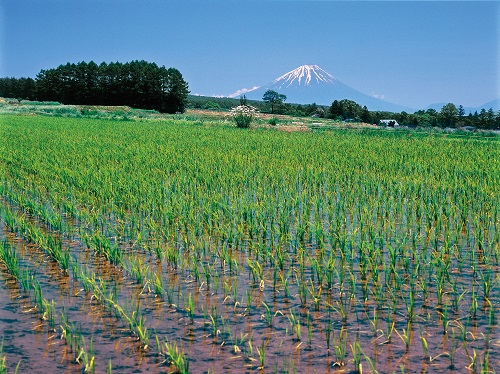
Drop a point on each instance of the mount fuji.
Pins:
(311, 84)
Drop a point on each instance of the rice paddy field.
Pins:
(169, 245)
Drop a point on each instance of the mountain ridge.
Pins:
(309, 84)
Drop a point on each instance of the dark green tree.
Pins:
(243, 100)
(497, 120)
(335, 110)
(346, 109)
(273, 98)
(365, 115)
(461, 111)
(174, 91)
(448, 115)
(486, 119)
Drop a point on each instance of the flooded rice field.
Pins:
(166, 247)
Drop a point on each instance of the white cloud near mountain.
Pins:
(243, 91)
(378, 96)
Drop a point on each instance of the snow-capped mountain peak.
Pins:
(304, 75)
(310, 84)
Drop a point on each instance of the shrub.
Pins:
(243, 115)
(211, 105)
(273, 121)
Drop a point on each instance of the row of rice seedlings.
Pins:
(134, 319)
(46, 309)
(97, 288)
(34, 208)
(3, 365)
(9, 257)
(77, 344)
(100, 244)
(51, 245)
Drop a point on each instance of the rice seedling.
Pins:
(425, 346)
(3, 366)
(48, 312)
(176, 357)
(406, 335)
(309, 330)
(86, 357)
(3, 363)
(256, 270)
(190, 308)
(340, 348)
(10, 259)
(453, 349)
(328, 336)
(109, 367)
(268, 315)
(356, 356)
(213, 324)
(262, 355)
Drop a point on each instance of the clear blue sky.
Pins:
(412, 53)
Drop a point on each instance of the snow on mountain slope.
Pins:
(305, 75)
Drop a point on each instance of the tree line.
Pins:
(145, 85)
(226, 103)
(138, 84)
(449, 116)
(349, 110)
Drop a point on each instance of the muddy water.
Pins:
(25, 339)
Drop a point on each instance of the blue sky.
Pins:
(411, 53)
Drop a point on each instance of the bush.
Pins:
(273, 121)
(211, 105)
(243, 115)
